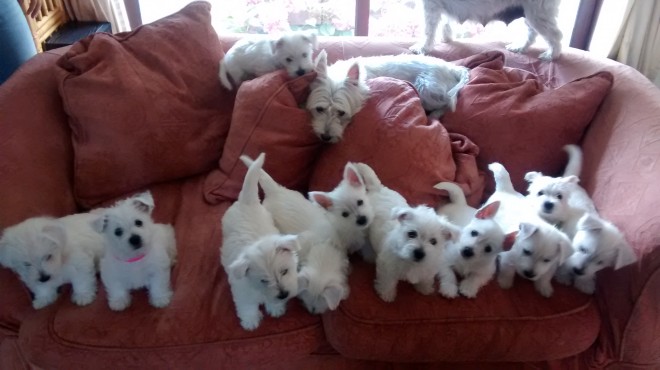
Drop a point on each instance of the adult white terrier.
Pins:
(473, 256)
(411, 248)
(323, 277)
(47, 253)
(539, 248)
(560, 200)
(138, 252)
(540, 18)
(250, 58)
(339, 91)
(261, 264)
(597, 244)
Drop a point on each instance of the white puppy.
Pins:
(560, 200)
(539, 248)
(473, 256)
(47, 253)
(410, 247)
(249, 58)
(339, 91)
(540, 18)
(138, 252)
(597, 244)
(323, 277)
(261, 264)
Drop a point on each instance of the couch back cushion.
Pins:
(146, 106)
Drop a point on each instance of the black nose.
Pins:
(419, 254)
(135, 241)
(283, 294)
(578, 271)
(326, 137)
(300, 72)
(548, 206)
(362, 220)
(43, 277)
(529, 274)
(467, 252)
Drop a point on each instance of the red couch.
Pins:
(42, 143)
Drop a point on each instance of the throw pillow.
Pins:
(146, 106)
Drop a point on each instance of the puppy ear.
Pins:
(288, 243)
(333, 295)
(402, 214)
(565, 250)
(488, 211)
(321, 199)
(589, 222)
(352, 176)
(303, 281)
(509, 240)
(100, 223)
(572, 179)
(353, 75)
(624, 255)
(526, 230)
(531, 176)
(451, 232)
(310, 37)
(54, 234)
(321, 63)
(239, 268)
(143, 202)
(277, 44)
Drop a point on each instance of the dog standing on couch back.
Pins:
(248, 58)
(540, 18)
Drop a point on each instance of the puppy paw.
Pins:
(276, 310)
(160, 300)
(505, 282)
(564, 278)
(83, 298)
(547, 55)
(119, 303)
(251, 321)
(419, 48)
(387, 296)
(468, 290)
(43, 301)
(516, 47)
(587, 286)
(449, 290)
(424, 288)
(545, 290)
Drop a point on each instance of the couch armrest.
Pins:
(35, 145)
(621, 171)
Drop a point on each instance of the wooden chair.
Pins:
(51, 16)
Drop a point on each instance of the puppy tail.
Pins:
(224, 78)
(250, 192)
(456, 195)
(463, 79)
(502, 178)
(574, 165)
(268, 184)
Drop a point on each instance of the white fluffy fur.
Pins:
(539, 248)
(560, 200)
(47, 253)
(261, 264)
(250, 58)
(473, 256)
(410, 247)
(540, 18)
(130, 233)
(340, 90)
(597, 244)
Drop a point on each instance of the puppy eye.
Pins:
(49, 257)
(27, 264)
(284, 272)
(119, 232)
(488, 249)
(289, 60)
(527, 252)
(341, 113)
(412, 234)
(559, 196)
(320, 109)
(433, 241)
(138, 223)
(360, 202)
(474, 233)
(304, 55)
(541, 193)
(264, 281)
(345, 214)
(546, 260)
(582, 250)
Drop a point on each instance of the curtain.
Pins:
(112, 11)
(638, 41)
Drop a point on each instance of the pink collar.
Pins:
(131, 260)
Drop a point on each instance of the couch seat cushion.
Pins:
(199, 327)
(499, 325)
